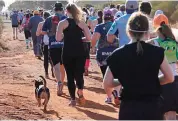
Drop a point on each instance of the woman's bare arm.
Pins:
(108, 82)
(59, 32)
(85, 29)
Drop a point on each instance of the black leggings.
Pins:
(46, 58)
(74, 67)
(27, 34)
(103, 70)
(141, 110)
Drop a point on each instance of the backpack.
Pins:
(105, 49)
(54, 23)
(170, 47)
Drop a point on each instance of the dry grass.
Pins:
(175, 25)
(3, 46)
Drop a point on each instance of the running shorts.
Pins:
(15, 26)
(56, 55)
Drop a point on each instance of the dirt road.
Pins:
(18, 69)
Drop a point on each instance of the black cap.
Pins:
(58, 6)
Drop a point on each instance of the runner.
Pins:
(146, 7)
(7, 16)
(15, 21)
(104, 47)
(21, 16)
(166, 39)
(120, 24)
(45, 44)
(121, 11)
(74, 52)
(55, 48)
(27, 32)
(135, 66)
(118, 7)
(33, 24)
(100, 17)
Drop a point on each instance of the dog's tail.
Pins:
(44, 81)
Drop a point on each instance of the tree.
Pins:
(2, 4)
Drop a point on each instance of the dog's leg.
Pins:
(39, 102)
(45, 102)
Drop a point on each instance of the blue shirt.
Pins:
(47, 27)
(33, 23)
(120, 25)
(14, 19)
(103, 29)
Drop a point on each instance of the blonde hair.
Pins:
(75, 11)
(137, 26)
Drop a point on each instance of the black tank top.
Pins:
(73, 45)
(138, 74)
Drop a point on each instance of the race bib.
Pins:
(103, 53)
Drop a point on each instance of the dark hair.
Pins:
(137, 25)
(118, 6)
(146, 7)
(58, 7)
(112, 6)
(100, 13)
(21, 10)
(27, 15)
(46, 15)
(85, 10)
(122, 8)
(166, 31)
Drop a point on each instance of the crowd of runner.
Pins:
(137, 54)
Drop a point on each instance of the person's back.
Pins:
(121, 24)
(103, 29)
(73, 32)
(138, 72)
(14, 19)
(35, 20)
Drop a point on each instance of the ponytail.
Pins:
(139, 47)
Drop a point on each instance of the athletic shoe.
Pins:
(72, 103)
(116, 97)
(108, 100)
(59, 88)
(81, 100)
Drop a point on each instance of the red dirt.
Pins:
(18, 69)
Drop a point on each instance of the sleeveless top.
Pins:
(73, 45)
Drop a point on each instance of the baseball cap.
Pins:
(58, 6)
(158, 12)
(132, 4)
(159, 19)
(107, 13)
